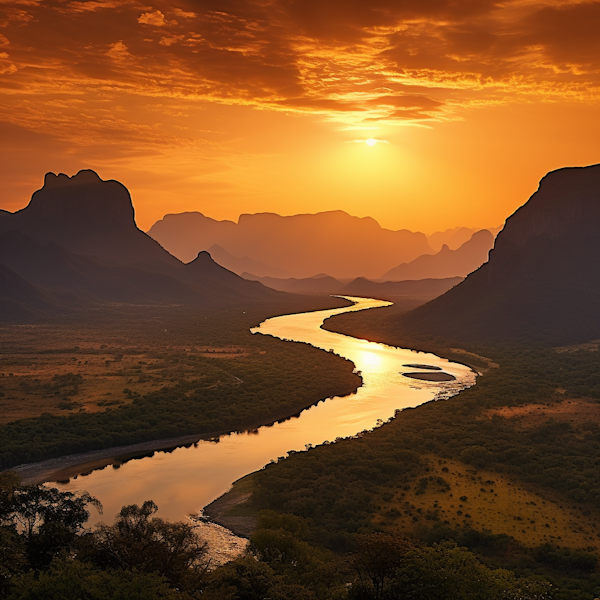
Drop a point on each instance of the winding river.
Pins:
(183, 481)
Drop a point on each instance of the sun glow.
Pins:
(371, 142)
(371, 359)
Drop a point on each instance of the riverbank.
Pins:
(63, 468)
(225, 510)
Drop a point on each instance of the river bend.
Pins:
(184, 480)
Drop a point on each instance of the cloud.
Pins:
(170, 40)
(184, 14)
(92, 5)
(348, 61)
(567, 34)
(118, 51)
(155, 18)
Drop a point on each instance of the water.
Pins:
(185, 480)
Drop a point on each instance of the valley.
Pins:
(355, 421)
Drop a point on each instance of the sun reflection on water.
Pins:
(184, 480)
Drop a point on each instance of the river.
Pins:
(183, 481)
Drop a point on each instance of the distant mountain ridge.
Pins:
(332, 242)
(244, 264)
(447, 263)
(543, 276)
(422, 289)
(455, 237)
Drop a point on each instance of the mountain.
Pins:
(453, 238)
(245, 264)
(78, 234)
(446, 263)
(185, 234)
(422, 289)
(207, 276)
(542, 279)
(88, 216)
(319, 284)
(333, 242)
(56, 268)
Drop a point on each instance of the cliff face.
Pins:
(566, 203)
(542, 280)
(78, 234)
(83, 201)
(88, 216)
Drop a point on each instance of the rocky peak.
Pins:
(85, 176)
(88, 216)
(567, 203)
(83, 202)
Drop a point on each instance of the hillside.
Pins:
(21, 300)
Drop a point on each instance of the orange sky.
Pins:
(237, 106)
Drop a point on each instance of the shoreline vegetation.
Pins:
(184, 393)
(64, 467)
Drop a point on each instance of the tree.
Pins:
(46, 519)
(379, 558)
(140, 541)
(445, 571)
(13, 557)
(241, 579)
(73, 580)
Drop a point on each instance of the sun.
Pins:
(371, 142)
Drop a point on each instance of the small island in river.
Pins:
(431, 376)
(419, 366)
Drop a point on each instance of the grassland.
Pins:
(455, 495)
(92, 376)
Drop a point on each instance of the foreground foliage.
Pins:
(142, 557)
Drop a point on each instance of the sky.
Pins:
(228, 107)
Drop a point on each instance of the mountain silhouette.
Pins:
(332, 242)
(78, 234)
(421, 289)
(446, 263)
(453, 238)
(542, 279)
(424, 289)
(318, 284)
(88, 216)
(56, 268)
